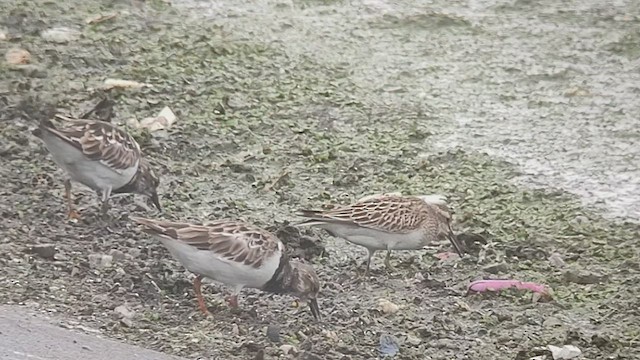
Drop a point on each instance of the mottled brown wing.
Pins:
(384, 213)
(99, 141)
(230, 239)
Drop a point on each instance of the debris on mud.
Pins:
(164, 120)
(483, 286)
(565, 352)
(388, 345)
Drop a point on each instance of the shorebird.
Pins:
(237, 254)
(99, 155)
(388, 222)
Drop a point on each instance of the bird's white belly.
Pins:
(83, 170)
(378, 240)
(216, 268)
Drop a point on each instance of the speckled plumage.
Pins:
(388, 222)
(237, 254)
(99, 155)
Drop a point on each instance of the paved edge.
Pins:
(25, 334)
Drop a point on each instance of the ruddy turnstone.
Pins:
(388, 222)
(100, 156)
(236, 254)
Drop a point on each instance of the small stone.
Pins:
(273, 333)
(583, 277)
(45, 251)
(415, 341)
(286, 349)
(387, 307)
(134, 252)
(117, 255)
(565, 352)
(60, 257)
(100, 261)
(17, 56)
(556, 260)
(496, 268)
(60, 35)
(126, 315)
(124, 312)
(235, 330)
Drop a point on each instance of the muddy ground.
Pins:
(264, 130)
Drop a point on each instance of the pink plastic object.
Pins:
(482, 286)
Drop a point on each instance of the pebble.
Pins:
(415, 341)
(134, 252)
(273, 333)
(124, 311)
(46, 251)
(387, 307)
(286, 349)
(126, 315)
(556, 260)
(17, 56)
(565, 352)
(100, 261)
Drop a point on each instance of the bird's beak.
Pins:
(315, 309)
(156, 200)
(454, 241)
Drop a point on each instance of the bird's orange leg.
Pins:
(197, 285)
(72, 214)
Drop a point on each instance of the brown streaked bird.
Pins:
(388, 222)
(99, 155)
(238, 255)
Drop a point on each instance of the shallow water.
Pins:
(550, 86)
